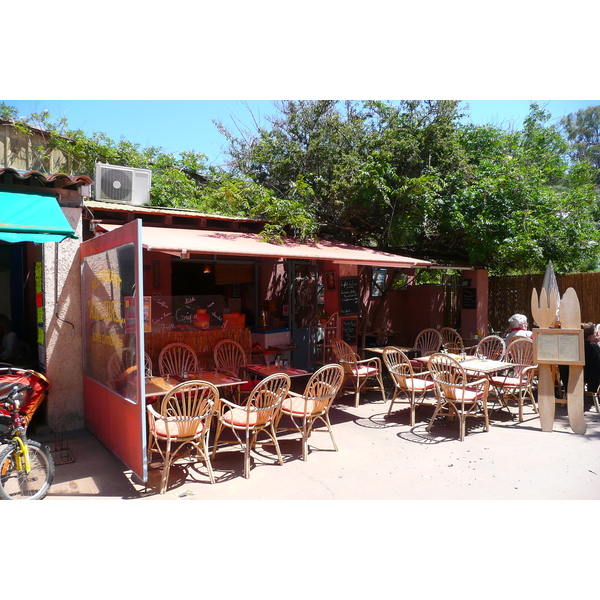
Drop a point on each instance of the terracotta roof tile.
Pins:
(55, 180)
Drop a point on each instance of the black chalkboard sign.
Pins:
(185, 307)
(348, 296)
(469, 297)
(350, 331)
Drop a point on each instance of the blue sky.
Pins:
(179, 125)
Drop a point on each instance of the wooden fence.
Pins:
(512, 294)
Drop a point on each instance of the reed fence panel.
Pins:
(512, 294)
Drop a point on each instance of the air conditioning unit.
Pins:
(122, 184)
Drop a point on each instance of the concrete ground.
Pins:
(379, 458)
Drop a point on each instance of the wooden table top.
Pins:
(266, 370)
(159, 386)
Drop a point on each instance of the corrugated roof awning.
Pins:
(233, 243)
(32, 218)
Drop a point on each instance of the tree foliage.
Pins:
(409, 177)
(182, 181)
(583, 131)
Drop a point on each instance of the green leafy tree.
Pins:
(582, 129)
(410, 178)
(357, 165)
(183, 181)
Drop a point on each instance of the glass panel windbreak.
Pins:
(109, 339)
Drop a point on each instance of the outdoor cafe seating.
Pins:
(184, 419)
(258, 415)
(229, 357)
(358, 372)
(177, 358)
(452, 340)
(518, 383)
(491, 347)
(305, 410)
(457, 395)
(427, 342)
(407, 384)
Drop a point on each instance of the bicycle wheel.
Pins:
(16, 485)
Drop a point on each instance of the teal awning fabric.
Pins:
(32, 218)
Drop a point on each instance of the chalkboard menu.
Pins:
(350, 331)
(348, 296)
(179, 311)
(469, 297)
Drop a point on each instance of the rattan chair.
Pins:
(413, 387)
(175, 358)
(491, 347)
(357, 372)
(456, 393)
(259, 414)
(230, 357)
(518, 383)
(304, 410)
(184, 419)
(428, 341)
(452, 340)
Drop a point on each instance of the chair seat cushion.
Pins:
(295, 406)
(249, 385)
(160, 427)
(420, 384)
(365, 371)
(467, 394)
(238, 417)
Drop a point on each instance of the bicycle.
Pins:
(26, 466)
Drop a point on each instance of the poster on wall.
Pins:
(130, 314)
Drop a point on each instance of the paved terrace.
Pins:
(379, 458)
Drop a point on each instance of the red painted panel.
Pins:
(116, 421)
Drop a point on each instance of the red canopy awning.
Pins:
(233, 243)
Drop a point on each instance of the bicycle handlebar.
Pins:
(11, 401)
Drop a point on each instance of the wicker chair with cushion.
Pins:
(427, 342)
(492, 347)
(184, 419)
(456, 393)
(259, 414)
(230, 358)
(452, 340)
(304, 410)
(518, 383)
(413, 387)
(176, 358)
(357, 372)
